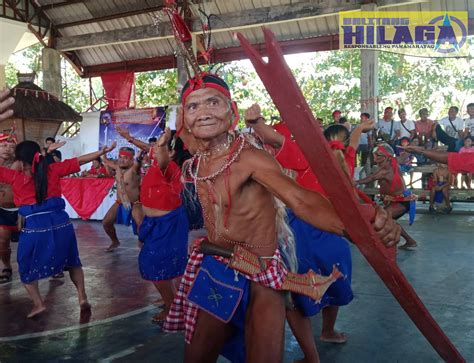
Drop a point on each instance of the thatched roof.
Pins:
(31, 102)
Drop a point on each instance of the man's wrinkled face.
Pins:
(125, 161)
(7, 150)
(207, 113)
(379, 158)
(452, 113)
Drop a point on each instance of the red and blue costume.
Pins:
(47, 242)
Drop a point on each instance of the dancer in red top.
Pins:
(164, 230)
(47, 241)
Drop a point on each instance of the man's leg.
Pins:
(209, 337)
(328, 333)
(108, 223)
(264, 325)
(137, 214)
(301, 327)
(432, 198)
(398, 210)
(446, 199)
(5, 256)
(446, 139)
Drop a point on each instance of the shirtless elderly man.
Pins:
(127, 175)
(237, 184)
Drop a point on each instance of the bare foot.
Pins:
(407, 246)
(112, 246)
(36, 311)
(160, 303)
(334, 337)
(160, 317)
(84, 305)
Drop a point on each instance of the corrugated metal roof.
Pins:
(141, 49)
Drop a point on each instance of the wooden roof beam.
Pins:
(230, 21)
(324, 43)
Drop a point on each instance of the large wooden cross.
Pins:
(294, 110)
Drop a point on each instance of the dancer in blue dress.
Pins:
(47, 240)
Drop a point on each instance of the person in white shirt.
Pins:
(453, 132)
(469, 121)
(407, 127)
(387, 128)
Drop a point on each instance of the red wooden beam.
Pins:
(295, 111)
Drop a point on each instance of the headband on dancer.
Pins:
(130, 154)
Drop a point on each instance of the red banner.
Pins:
(118, 89)
(86, 194)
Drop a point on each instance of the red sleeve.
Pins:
(7, 176)
(291, 157)
(66, 167)
(350, 157)
(461, 163)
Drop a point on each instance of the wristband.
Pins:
(255, 120)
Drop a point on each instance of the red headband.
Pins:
(198, 83)
(126, 153)
(337, 145)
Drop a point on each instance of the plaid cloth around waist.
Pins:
(183, 313)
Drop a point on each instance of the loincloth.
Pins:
(407, 199)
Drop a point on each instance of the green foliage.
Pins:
(329, 81)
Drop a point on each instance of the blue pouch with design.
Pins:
(217, 289)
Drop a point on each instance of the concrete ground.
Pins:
(119, 329)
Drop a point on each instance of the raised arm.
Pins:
(84, 159)
(126, 135)
(364, 126)
(311, 206)
(5, 105)
(160, 151)
(266, 133)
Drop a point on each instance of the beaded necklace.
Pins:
(211, 178)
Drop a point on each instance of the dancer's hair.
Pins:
(339, 133)
(26, 151)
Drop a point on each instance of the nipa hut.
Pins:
(37, 114)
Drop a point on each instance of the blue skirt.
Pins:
(319, 251)
(47, 241)
(124, 216)
(165, 246)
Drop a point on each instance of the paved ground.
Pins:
(119, 329)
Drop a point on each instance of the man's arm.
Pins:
(364, 126)
(266, 133)
(84, 159)
(5, 105)
(126, 135)
(438, 156)
(308, 205)
(378, 175)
